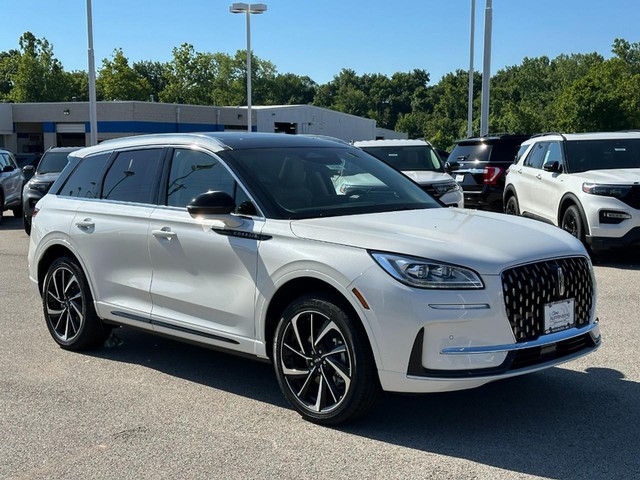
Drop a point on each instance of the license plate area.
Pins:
(459, 178)
(559, 316)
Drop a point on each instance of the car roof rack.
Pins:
(549, 133)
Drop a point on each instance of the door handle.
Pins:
(85, 224)
(539, 176)
(519, 171)
(164, 232)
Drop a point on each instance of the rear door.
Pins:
(111, 232)
(528, 180)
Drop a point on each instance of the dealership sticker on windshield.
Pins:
(459, 178)
(559, 315)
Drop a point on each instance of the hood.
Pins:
(486, 242)
(624, 176)
(45, 177)
(424, 176)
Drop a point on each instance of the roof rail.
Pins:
(549, 133)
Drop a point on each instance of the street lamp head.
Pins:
(240, 7)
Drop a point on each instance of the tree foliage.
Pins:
(569, 93)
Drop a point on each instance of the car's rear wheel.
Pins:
(17, 211)
(512, 207)
(323, 361)
(68, 307)
(572, 222)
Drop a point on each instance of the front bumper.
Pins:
(435, 341)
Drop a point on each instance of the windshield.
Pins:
(318, 181)
(408, 158)
(53, 162)
(584, 155)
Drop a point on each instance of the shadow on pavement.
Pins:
(557, 424)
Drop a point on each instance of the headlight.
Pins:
(423, 273)
(443, 188)
(42, 187)
(617, 191)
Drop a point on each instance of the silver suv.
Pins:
(11, 182)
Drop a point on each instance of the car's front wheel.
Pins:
(572, 222)
(323, 361)
(512, 207)
(68, 307)
(26, 222)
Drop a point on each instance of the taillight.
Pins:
(35, 212)
(491, 175)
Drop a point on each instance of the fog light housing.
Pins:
(613, 217)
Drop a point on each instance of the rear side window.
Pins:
(133, 176)
(84, 180)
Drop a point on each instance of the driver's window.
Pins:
(194, 172)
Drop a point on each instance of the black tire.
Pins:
(512, 207)
(1, 207)
(17, 211)
(572, 222)
(26, 222)
(68, 307)
(323, 362)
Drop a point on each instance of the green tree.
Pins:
(118, 81)
(37, 76)
(8, 68)
(155, 73)
(606, 98)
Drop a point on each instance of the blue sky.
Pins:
(320, 37)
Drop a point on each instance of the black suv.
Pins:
(479, 165)
(41, 179)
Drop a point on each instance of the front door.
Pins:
(204, 274)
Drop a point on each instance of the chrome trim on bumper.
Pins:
(539, 342)
(459, 306)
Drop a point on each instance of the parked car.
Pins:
(41, 178)
(11, 181)
(239, 241)
(586, 183)
(479, 165)
(24, 159)
(418, 160)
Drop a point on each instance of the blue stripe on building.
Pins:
(154, 127)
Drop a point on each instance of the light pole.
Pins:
(93, 121)
(248, 9)
(472, 32)
(486, 70)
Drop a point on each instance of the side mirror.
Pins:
(217, 204)
(8, 168)
(451, 165)
(28, 169)
(212, 203)
(552, 166)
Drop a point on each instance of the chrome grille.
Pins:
(528, 288)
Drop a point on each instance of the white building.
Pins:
(34, 127)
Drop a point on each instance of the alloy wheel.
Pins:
(316, 361)
(64, 304)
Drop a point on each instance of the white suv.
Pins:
(418, 160)
(241, 242)
(587, 183)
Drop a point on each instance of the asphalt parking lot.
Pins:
(154, 408)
